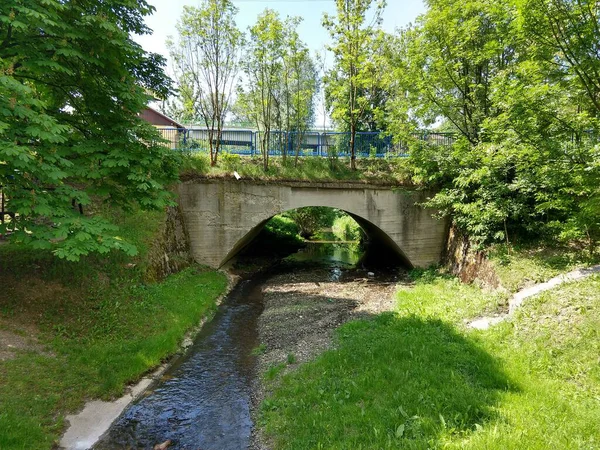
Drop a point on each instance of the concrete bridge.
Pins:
(222, 216)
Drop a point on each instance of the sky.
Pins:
(398, 13)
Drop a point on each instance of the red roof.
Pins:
(157, 118)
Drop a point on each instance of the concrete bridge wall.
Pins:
(222, 216)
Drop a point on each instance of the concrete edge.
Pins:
(517, 299)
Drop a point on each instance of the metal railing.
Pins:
(310, 143)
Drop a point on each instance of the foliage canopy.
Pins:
(206, 60)
(72, 82)
(518, 82)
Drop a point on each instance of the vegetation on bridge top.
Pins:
(389, 172)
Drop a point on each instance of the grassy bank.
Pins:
(87, 329)
(523, 265)
(419, 378)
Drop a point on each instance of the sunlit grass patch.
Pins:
(421, 378)
(394, 382)
(524, 265)
(436, 295)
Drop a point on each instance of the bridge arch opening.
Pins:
(381, 247)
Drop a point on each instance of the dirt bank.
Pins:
(301, 311)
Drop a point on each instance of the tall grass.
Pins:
(386, 171)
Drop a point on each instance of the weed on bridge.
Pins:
(375, 171)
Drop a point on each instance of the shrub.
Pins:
(283, 226)
(312, 218)
(230, 161)
(346, 229)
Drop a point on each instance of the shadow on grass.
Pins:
(392, 383)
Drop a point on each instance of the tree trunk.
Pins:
(213, 159)
(352, 152)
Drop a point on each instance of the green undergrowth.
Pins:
(524, 265)
(283, 228)
(96, 326)
(418, 378)
(345, 228)
(375, 170)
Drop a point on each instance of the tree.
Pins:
(207, 61)
(556, 88)
(281, 83)
(569, 32)
(516, 79)
(355, 68)
(299, 88)
(72, 83)
(447, 62)
(263, 69)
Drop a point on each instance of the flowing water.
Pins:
(347, 255)
(203, 400)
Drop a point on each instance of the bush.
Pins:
(312, 218)
(345, 228)
(195, 162)
(283, 226)
(230, 161)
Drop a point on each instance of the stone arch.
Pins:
(221, 215)
(372, 231)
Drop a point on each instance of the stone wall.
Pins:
(467, 263)
(170, 252)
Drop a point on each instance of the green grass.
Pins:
(385, 171)
(259, 350)
(525, 265)
(100, 324)
(418, 378)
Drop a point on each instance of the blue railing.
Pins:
(326, 144)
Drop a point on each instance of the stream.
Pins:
(205, 399)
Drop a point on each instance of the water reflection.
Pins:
(346, 254)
